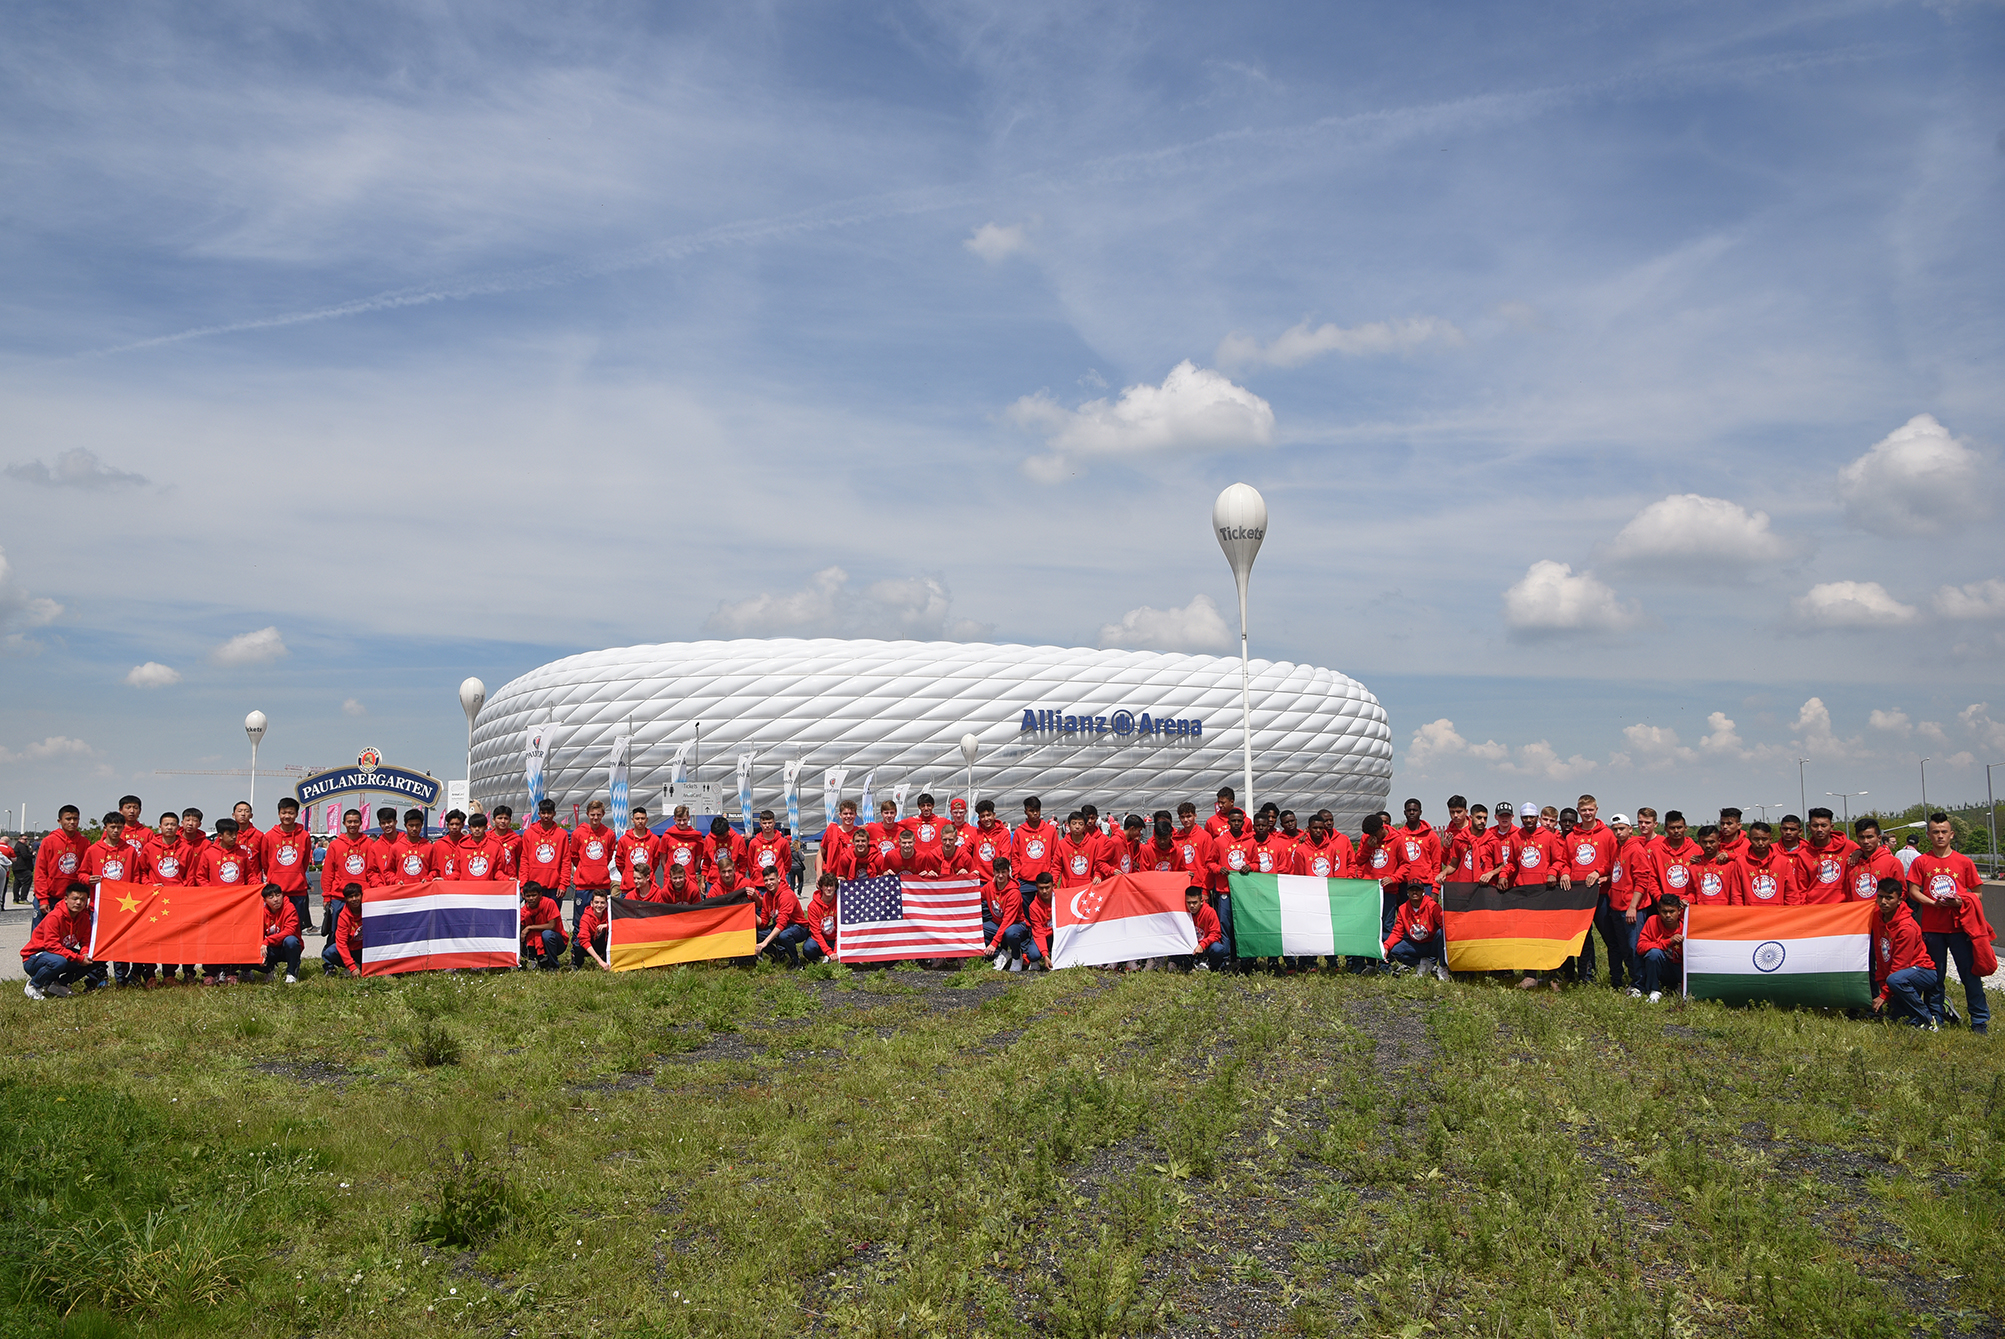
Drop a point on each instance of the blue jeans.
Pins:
(543, 950)
(1619, 935)
(287, 950)
(600, 942)
(1410, 953)
(786, 945)
(1908, 991)
(1389, 905)
(1214, 957)
(330, 959)
(1943, 945)
(1224, 909)
(48, 969)
(1659, 965)
(1013, 938)
(330, 907)
(583, 903)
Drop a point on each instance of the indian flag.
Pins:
(1294, 915)
(1819, 955)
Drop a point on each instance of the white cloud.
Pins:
(1657, 745)
(18, 609)
(1977, 719)
(1814, 735)
(1198, 626)
(1980, 599)
(1299, 343)
(251, 648)
(994, 242)
(1917, 480)
(1439, 739)
(1194, 409)
(1542, 760)
(1850, 604)
(1895, 722)
(55, 746)
(1691, 536)
(1551, 601)
(1963, 759)
(152, 674)
(354, 708)
(75, 468)
(827, 607)
(1724, 737)
(1932, 731)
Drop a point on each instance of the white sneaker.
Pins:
(32, 993)
(1635, 994)
(1441, 970)
(291, 980)
(1002, 961)
(1016, 964)
(1656, 995)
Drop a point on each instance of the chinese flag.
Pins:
(134, 922)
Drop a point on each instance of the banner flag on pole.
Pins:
(1121, 918)
(675, 771)
(535, 752)
(439, 923)
(333, 823)
(864, 812)
(616, 781)
(655, 934)
(831, 793)
(745, 761)
(1295, 915)
(134, 922)
(1513, 929)
(898, 794)
(790, 784)
(1816, 955)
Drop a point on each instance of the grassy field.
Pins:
(720, 1151)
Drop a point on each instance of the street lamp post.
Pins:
(969, 747)
(1766, 807)
(254, 726)
(1239, 519)
(1847, 797)
(1990, 812)
(472, 697)
(1924, 787)
(1802, 795)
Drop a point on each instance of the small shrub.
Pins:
(431, 1045)
(473, 1201)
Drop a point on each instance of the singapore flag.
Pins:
(1121, 918)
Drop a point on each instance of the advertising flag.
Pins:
(616, 781)
(133, 922)
(1815, 955)
(891, 917)
(1513, 929)
(656, 934)
(745, 761)
(831, 793)
(440, 923)
(1294, 915)
(675, 774)
(535, 752)
(1121, 918)
(864, 812)
(790, 784)
(332, 816)
(898, 794)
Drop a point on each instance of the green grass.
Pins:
(719, 1151)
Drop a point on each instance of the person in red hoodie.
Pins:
(1222, 806)
(851, 860)
(1079, 855)
(821, 917)
(593, 942)
(1718, 880)
(109, 859)
(1269, 852)
(1037, 915)
(1471, 854)
(282, 942)
(769, 847)
(884, 832)
(1197, 852)
(1324, 853)
(1674, 855)
(1733, 840)
(591, 857)
(725, 878)
(1417, 939)
(542, 925)
(1824, 856)
(683, 845)
(412, 855)
(1211, 952)
(679, 887)
(634, 856)
(1036, 843)
(1379, 859)
(285, 854)
(59, 860)
(58, 949)
(989, 839)
(225, 863)
(479, 858)
(342, 955)
(1771, 875)
(1871, 862)
(347, 861)
(1903, 971)
(956, 859)
(781, 922)
(383, 848)
(905, 857)
(504, 831)
(1232, 850)
(448, 851)
(1420, 847)
(724, 837)
(545, 857)
(1941, 882)
(248, 835)
(1660, 947)
(1121, 852)
(1004, 929)
(926, 826)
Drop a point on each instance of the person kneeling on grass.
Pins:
(542, 929)
(1902, 967)
(1660, 948)
(780, 919)
(1037, 950)
(58, 952)
(1416, 940)
(821, 920)
(1004, 930)
(594, 940)
(1210, 937)
(343, 954)
(281, 934)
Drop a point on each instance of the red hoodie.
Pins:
(1080, 862)
(219, 868)
(1771, 880)
(168, 862)
(285, 857)
(1037, 915)
(1824, 870)
(820, 917)
(535, 913)
(61, 933)
(1036, 852)
(591, 851)
(1897, 946)
(281, 923)
(635, 858)
(1205, 920)
(989, 842)
(546, 855)
(346, 862)
(1719, 883)
(110, 860)
(348, 936)
(1863, 879)
(58, 860)
(1657, 935)
(479, 860)
(774, 852)
(1418, 926)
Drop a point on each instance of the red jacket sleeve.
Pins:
(348, 937)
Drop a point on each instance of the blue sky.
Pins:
(1610, 372)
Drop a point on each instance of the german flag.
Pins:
(655, 934)
(1517, 929)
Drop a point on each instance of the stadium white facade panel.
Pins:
(1129, 729)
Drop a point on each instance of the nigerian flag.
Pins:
(1293, 915)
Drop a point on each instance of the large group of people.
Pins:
(1642, 877)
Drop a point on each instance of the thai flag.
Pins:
(419, 927)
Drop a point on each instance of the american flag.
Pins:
(895, 916)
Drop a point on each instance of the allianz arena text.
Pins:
(1131, 729)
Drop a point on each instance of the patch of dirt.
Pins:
(307, 1071)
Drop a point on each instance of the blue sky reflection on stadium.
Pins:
(1623, 385)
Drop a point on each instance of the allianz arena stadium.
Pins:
(1133, 730)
